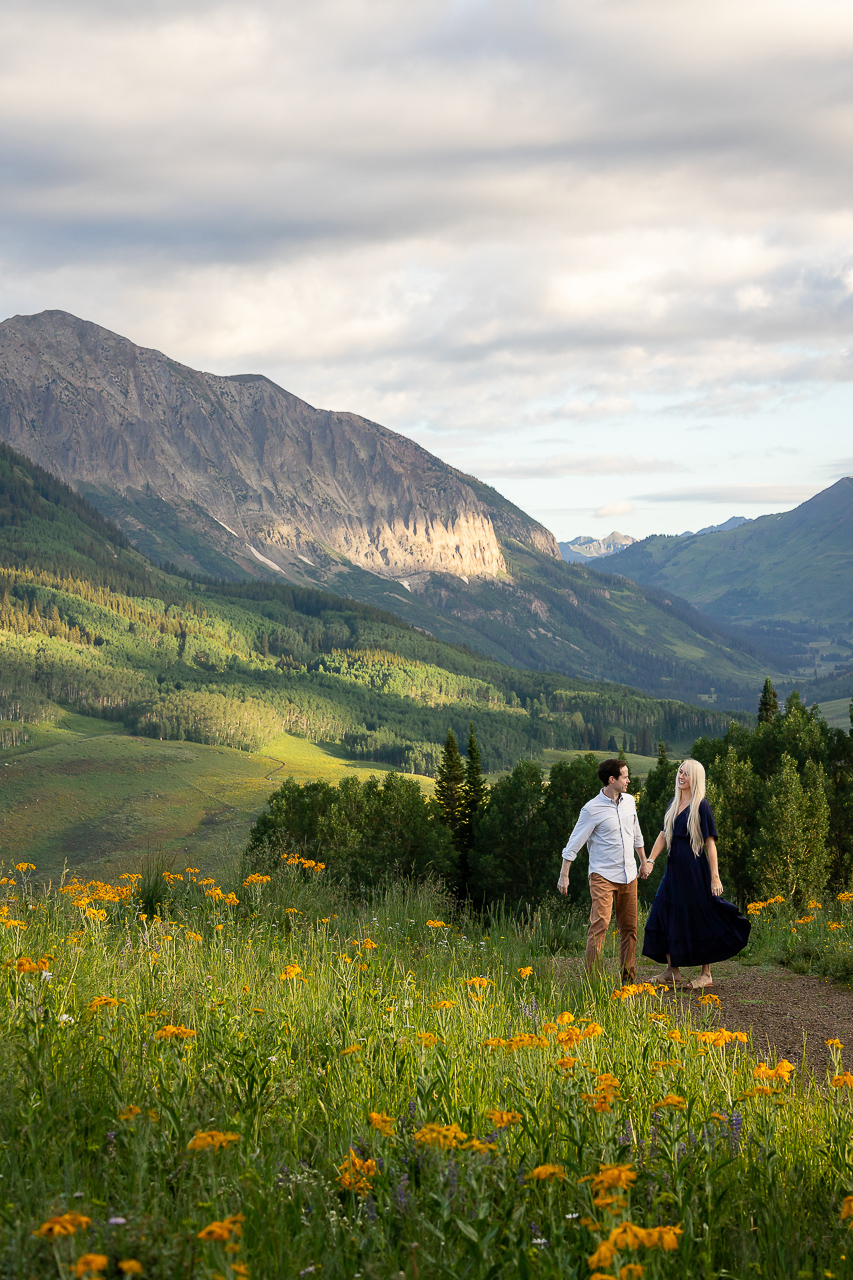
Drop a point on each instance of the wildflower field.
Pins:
(273, 1079)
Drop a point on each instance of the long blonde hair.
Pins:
(696, 773)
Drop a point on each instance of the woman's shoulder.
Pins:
(705, 808)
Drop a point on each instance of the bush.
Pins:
(364, 831)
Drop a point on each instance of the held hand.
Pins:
(716, 886)
(645, 869)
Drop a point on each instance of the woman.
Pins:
(690, 922)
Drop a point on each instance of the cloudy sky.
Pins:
(598, 253)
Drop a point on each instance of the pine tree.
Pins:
(768, 706)
(450, 787)
(475, 793)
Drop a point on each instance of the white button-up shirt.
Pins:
(611, 831)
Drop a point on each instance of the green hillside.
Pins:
(791, 573)
(89, 624)
(82, 793)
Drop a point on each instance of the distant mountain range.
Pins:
(235, 477)
(780, 574)
(583, 549)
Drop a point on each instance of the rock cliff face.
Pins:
(140, 434)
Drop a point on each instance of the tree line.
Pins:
(782, 794)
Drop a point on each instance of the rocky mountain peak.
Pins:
(238, 464)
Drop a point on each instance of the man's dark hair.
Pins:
(610, 769)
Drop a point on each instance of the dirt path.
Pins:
(788, 1015)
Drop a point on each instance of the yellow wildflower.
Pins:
(844, 1081)
(477, 982)
(291, 971)
(833, 1044)
(203, 1140)
(444, 1004)
(25, 866)
(445, 1136)
(526, 971)
(65, 1224)
(103, 1002)
(436, 924)
(564, 1017)
(547, 1173)
(215, 1231)
(671, 1100)
(131, 1267)
(130, 1113)
(611, 1175)
(353, 1048)
(503, 1119)
(355, 1174)
(847, 1205)
(386, 1125)
(171, 1032)
(89, 1264)
(782, 1071)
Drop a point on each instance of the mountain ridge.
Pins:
(787, 570)
(128, 426)
(235, 477)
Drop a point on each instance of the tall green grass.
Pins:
(307, 1084)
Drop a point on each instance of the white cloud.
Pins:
(614, 509)
(766, 495)
(602, 464)
(454, 218)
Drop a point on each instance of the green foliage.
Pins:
(790, 856)
(450, 789)
(476, 792)
(734, 793)
(369, 831)
(768, 706)
(656, 796)
(783, 799)
(516, 853)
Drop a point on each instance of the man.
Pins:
(609, 827)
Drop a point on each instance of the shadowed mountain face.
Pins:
(795, 567)
(212, 472)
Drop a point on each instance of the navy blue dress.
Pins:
(686, 920)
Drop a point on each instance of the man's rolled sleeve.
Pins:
(584, 828)
(639, 842)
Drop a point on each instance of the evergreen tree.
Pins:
(476, 791)
(768, 706)
(450, 788)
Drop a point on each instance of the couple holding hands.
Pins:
(690, 922)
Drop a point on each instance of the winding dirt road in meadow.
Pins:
(788, 1015)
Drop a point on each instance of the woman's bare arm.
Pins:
(711, 850)
(659, 844)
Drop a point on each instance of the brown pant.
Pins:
(605, 894)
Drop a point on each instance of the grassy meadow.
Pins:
(263, 1077)
(82, 793)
